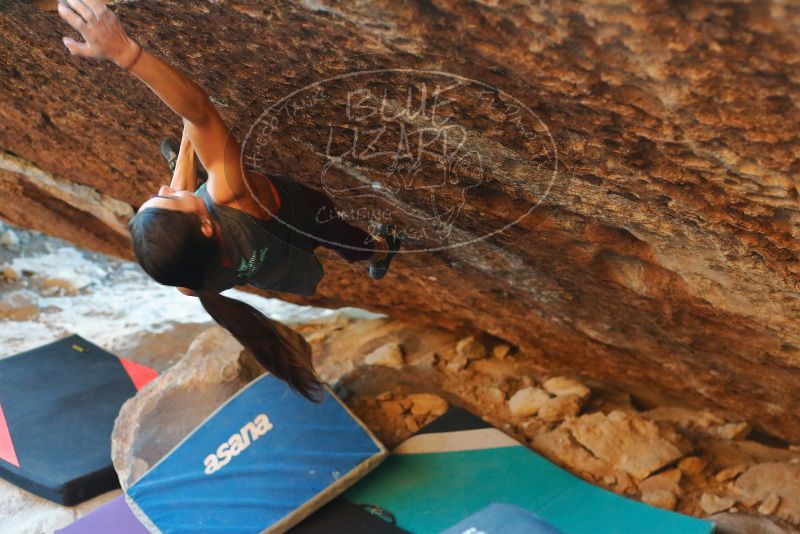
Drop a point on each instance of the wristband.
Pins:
(138, 55)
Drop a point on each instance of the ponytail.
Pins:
(286, 356)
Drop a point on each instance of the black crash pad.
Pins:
(58, 403)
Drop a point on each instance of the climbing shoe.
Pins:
(388, 233)
(169, 149)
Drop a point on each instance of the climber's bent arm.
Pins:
(184, 178)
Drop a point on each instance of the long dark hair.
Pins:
(172, 249)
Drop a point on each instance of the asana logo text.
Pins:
(237, 443)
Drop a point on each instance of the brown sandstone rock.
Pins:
(684, 417)
(20, 305)
(390, 355)
(527, 401)
(692, 465)
(711, 504)
(501, 351)
(560, 407)
(769, 505)
(762, 481)
(9, 274)
(628, 441)
(9, 239)
(660, 498)
(492, 396)
(561, 385)
(561, 447)
(730, 472)
(471, 348)
(740, 523)
(732, 430)
(668, 481)
(423, 404)
(651, 225)
(392, 408)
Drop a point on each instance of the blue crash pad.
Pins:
(263, 461)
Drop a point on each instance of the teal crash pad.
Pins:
(458, 465)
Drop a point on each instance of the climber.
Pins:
(240, 227)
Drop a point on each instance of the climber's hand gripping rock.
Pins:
(101, 30)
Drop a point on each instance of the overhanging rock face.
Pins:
(646, 153)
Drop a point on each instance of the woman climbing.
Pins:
(240, 227)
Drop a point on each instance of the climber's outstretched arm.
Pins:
(215, 146)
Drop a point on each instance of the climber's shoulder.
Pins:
(257, 198)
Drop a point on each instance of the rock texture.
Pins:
(629, 442)
(732, 523)
(661, 255)
(765, 482)
(150, 424)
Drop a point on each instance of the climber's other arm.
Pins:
(185, 176)
(105, 38)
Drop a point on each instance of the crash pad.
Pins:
(501, 518)
(341, 515)
(262, 462)
(113, 517)
(459, 464)
(58, 403)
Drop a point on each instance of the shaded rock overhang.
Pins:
(662, 251)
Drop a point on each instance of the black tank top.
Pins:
(265, 254)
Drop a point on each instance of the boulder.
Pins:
(9, 274)
(730, 472)
(389, 355)
(761, 481)
(501, 351)
(9, 239)
(626, 218)
(560, 407)
(769, 505)
(668, 481)
(19, 305)
(742, 523)
(711, 503)
(732, 430)
(692, 465)
(663, 499)
(628, 441)
(162, 413)
(471, 348)
(490, 396)
(561, 385)
(527, 401)
(684, 418)
(559, 446)
(392, 415)
(424, 404)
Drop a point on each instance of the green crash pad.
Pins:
(459, 464)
